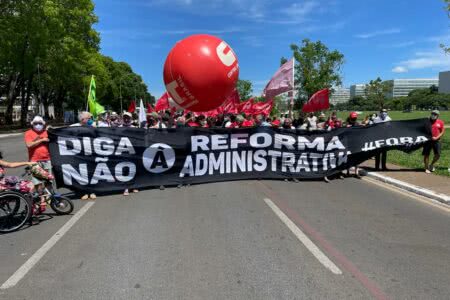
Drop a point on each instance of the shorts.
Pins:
(435, 145)
(46, 165)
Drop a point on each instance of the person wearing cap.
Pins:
(36, 140)
(114, 120)
(380, 158)
(437, 131)
(127, 120)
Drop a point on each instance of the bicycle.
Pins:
(15, 210)
(60, 204)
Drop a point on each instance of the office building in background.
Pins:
(340, 95)
(402, 87)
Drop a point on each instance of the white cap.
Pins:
(37, 119)
(128, 114)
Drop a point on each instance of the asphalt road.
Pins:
(236, 240)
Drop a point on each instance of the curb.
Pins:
(10, 135)
(410, 187)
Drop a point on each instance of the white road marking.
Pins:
(34, 259)
(321, 257)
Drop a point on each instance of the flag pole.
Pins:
(87, 100)
(291, 106)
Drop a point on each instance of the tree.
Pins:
(245, 89)
(50, 50)
(317, 68)
(376, 92)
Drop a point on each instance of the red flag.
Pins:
(246, 107)
(149, 108)
(132, 107)
(230, 106)
(318, 101)
(262, 108)
(163, 102)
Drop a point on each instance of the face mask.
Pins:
(38, 127)
(434, 117)
(383, 115)
(90, 122)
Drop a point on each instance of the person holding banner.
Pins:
(36, 140)
(437, 131)
(85, 119)
(127, 118)
(352, 121)
(380, 159)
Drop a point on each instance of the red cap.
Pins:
(353, 115)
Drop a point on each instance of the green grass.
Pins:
(399, 115)
(415, 160)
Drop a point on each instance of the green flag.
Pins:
(94, 108)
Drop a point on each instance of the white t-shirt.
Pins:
(380, 120)
(312, 122)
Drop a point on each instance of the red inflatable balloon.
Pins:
(200, 72)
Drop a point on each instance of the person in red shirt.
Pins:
(36, 140)
(248, 122)
(437, 131)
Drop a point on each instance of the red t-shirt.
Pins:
(193, 124)
(39, 152)
(437, 127)
(248, 123)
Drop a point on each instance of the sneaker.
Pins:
(35, 220)
(126, 193)
(326, 179)
(427, 171)
(432, 169)
(93, 196)
(85, 197)
(296, 180)
(179, 186)
(161, 187)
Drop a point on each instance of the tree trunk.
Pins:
(45, 105)
(59, 100)
(14, 78)
(25, 102)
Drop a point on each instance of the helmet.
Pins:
(353, 115)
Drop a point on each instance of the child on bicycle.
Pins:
(9, 182)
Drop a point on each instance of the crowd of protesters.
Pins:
(168, 119)
(36, 139)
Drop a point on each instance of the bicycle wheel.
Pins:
(61, 205)
(15, 211)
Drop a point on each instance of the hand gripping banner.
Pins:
(113, 159)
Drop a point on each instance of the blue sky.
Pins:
(386, 38)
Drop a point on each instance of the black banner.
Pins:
(113, 159)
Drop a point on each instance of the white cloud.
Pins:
(399, 69)
(261, 11)
(372, 34)
(435, 59)
(210, 31)
(299, 12)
